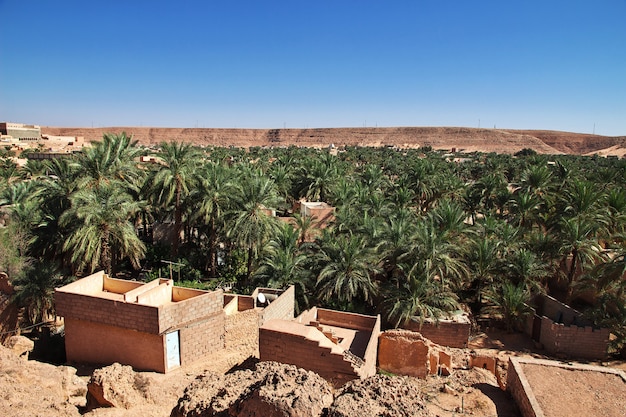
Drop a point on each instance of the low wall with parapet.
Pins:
(563, 331)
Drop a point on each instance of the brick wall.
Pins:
(97, 343)
(137, 317)
(281, 308)
(518, 387)
(176, 315)
(200, 338)
(574, 341)
(445, 333)
(305, 353)
(573, 336)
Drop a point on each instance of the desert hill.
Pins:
(461, 138)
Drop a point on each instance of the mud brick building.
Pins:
(151, 326)
(338, 346)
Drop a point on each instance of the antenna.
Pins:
(173, 263)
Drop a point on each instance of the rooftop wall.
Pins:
(346, 320)
(149, 308)
(281, 308)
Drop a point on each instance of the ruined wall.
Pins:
(445, 333)
(97, 343)
(405, 352)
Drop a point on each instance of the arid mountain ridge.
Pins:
(460, 138)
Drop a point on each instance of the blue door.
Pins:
(172, 349)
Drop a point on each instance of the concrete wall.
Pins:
(445, 332)
(103, 344)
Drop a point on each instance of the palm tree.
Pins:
(483, 260)
(283, 264)
(56, 189)
(174, 180)
(523, 267)
(606, 282)
(579, 246)
(112, 159)
(34, 290)
(251, 224)
(417, 297)
(509, 302)
(317, 178)
(347, 267)
(213, 196)
(100, 230)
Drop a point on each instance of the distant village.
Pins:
(25, 139)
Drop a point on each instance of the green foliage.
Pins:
(413, 232)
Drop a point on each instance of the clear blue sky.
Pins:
(549, 64)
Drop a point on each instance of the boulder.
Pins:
(117, 386)
(20, 345)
